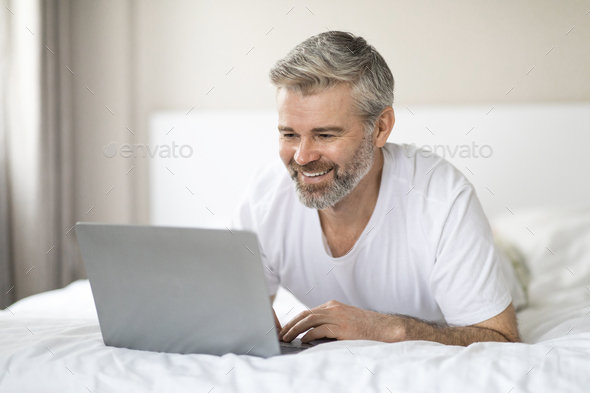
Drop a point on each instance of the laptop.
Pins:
(181, 290)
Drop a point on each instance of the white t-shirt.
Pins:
(426, 252)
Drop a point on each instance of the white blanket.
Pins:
(51, 342)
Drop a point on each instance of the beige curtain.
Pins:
(36, 159)
(63, 63)
(5, 255)
(57, 160)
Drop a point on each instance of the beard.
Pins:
(344, 179)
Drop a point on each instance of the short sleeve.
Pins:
(466, 280)
(244, 219)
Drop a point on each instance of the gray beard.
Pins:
(342, 183)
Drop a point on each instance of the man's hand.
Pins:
(343, 322)
(337, 320)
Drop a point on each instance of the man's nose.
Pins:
(306, 152)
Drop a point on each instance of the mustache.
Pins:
(309, 168)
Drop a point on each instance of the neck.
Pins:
(354, 211)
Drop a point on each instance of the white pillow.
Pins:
(555, 245)
(514, 269)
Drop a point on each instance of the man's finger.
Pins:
(311, 321)
(319, 332)
(293, 321)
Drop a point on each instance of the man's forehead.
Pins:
(331, 107)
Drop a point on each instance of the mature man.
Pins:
(380, 243)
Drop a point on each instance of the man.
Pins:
(379, 242)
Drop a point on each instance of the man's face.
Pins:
(323, 145)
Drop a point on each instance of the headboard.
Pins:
(516, 156)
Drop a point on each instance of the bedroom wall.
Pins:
(129, 59)
(441, 53)
(148, 56)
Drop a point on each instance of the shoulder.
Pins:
(428, 175)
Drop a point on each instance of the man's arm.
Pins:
(502, 328)
(344, 322)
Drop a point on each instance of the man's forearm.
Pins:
(344, 322)
(410, 328)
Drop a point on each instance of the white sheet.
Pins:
(61, 355)
(51, 342)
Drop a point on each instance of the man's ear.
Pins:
(383, 126)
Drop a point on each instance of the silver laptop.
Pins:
(181, 290)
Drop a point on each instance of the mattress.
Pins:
(51, 342)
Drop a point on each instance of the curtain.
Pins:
(20, 146)
(5, 268)
(57, 182)
(36, 165)
(66, 91)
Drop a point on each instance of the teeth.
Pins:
(315, 174)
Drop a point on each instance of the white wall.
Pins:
(140, 57)
(440, 52)
(228, 149)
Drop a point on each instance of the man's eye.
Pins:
(287, 136)
(326, 136)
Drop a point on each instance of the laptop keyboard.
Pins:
(288, 350)
(296, 345)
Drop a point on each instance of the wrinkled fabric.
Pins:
(44, 348)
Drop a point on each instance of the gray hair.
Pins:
(327, 59)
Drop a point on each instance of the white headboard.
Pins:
(539, 156)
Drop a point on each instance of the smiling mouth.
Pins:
(315, 174)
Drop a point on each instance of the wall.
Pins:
(139, 57)
(129, 59)
(441, 53)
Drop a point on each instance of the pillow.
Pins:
(554, 244)
(516, 273)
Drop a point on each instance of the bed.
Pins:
(51, 342)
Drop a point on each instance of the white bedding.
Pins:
(51, 342)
